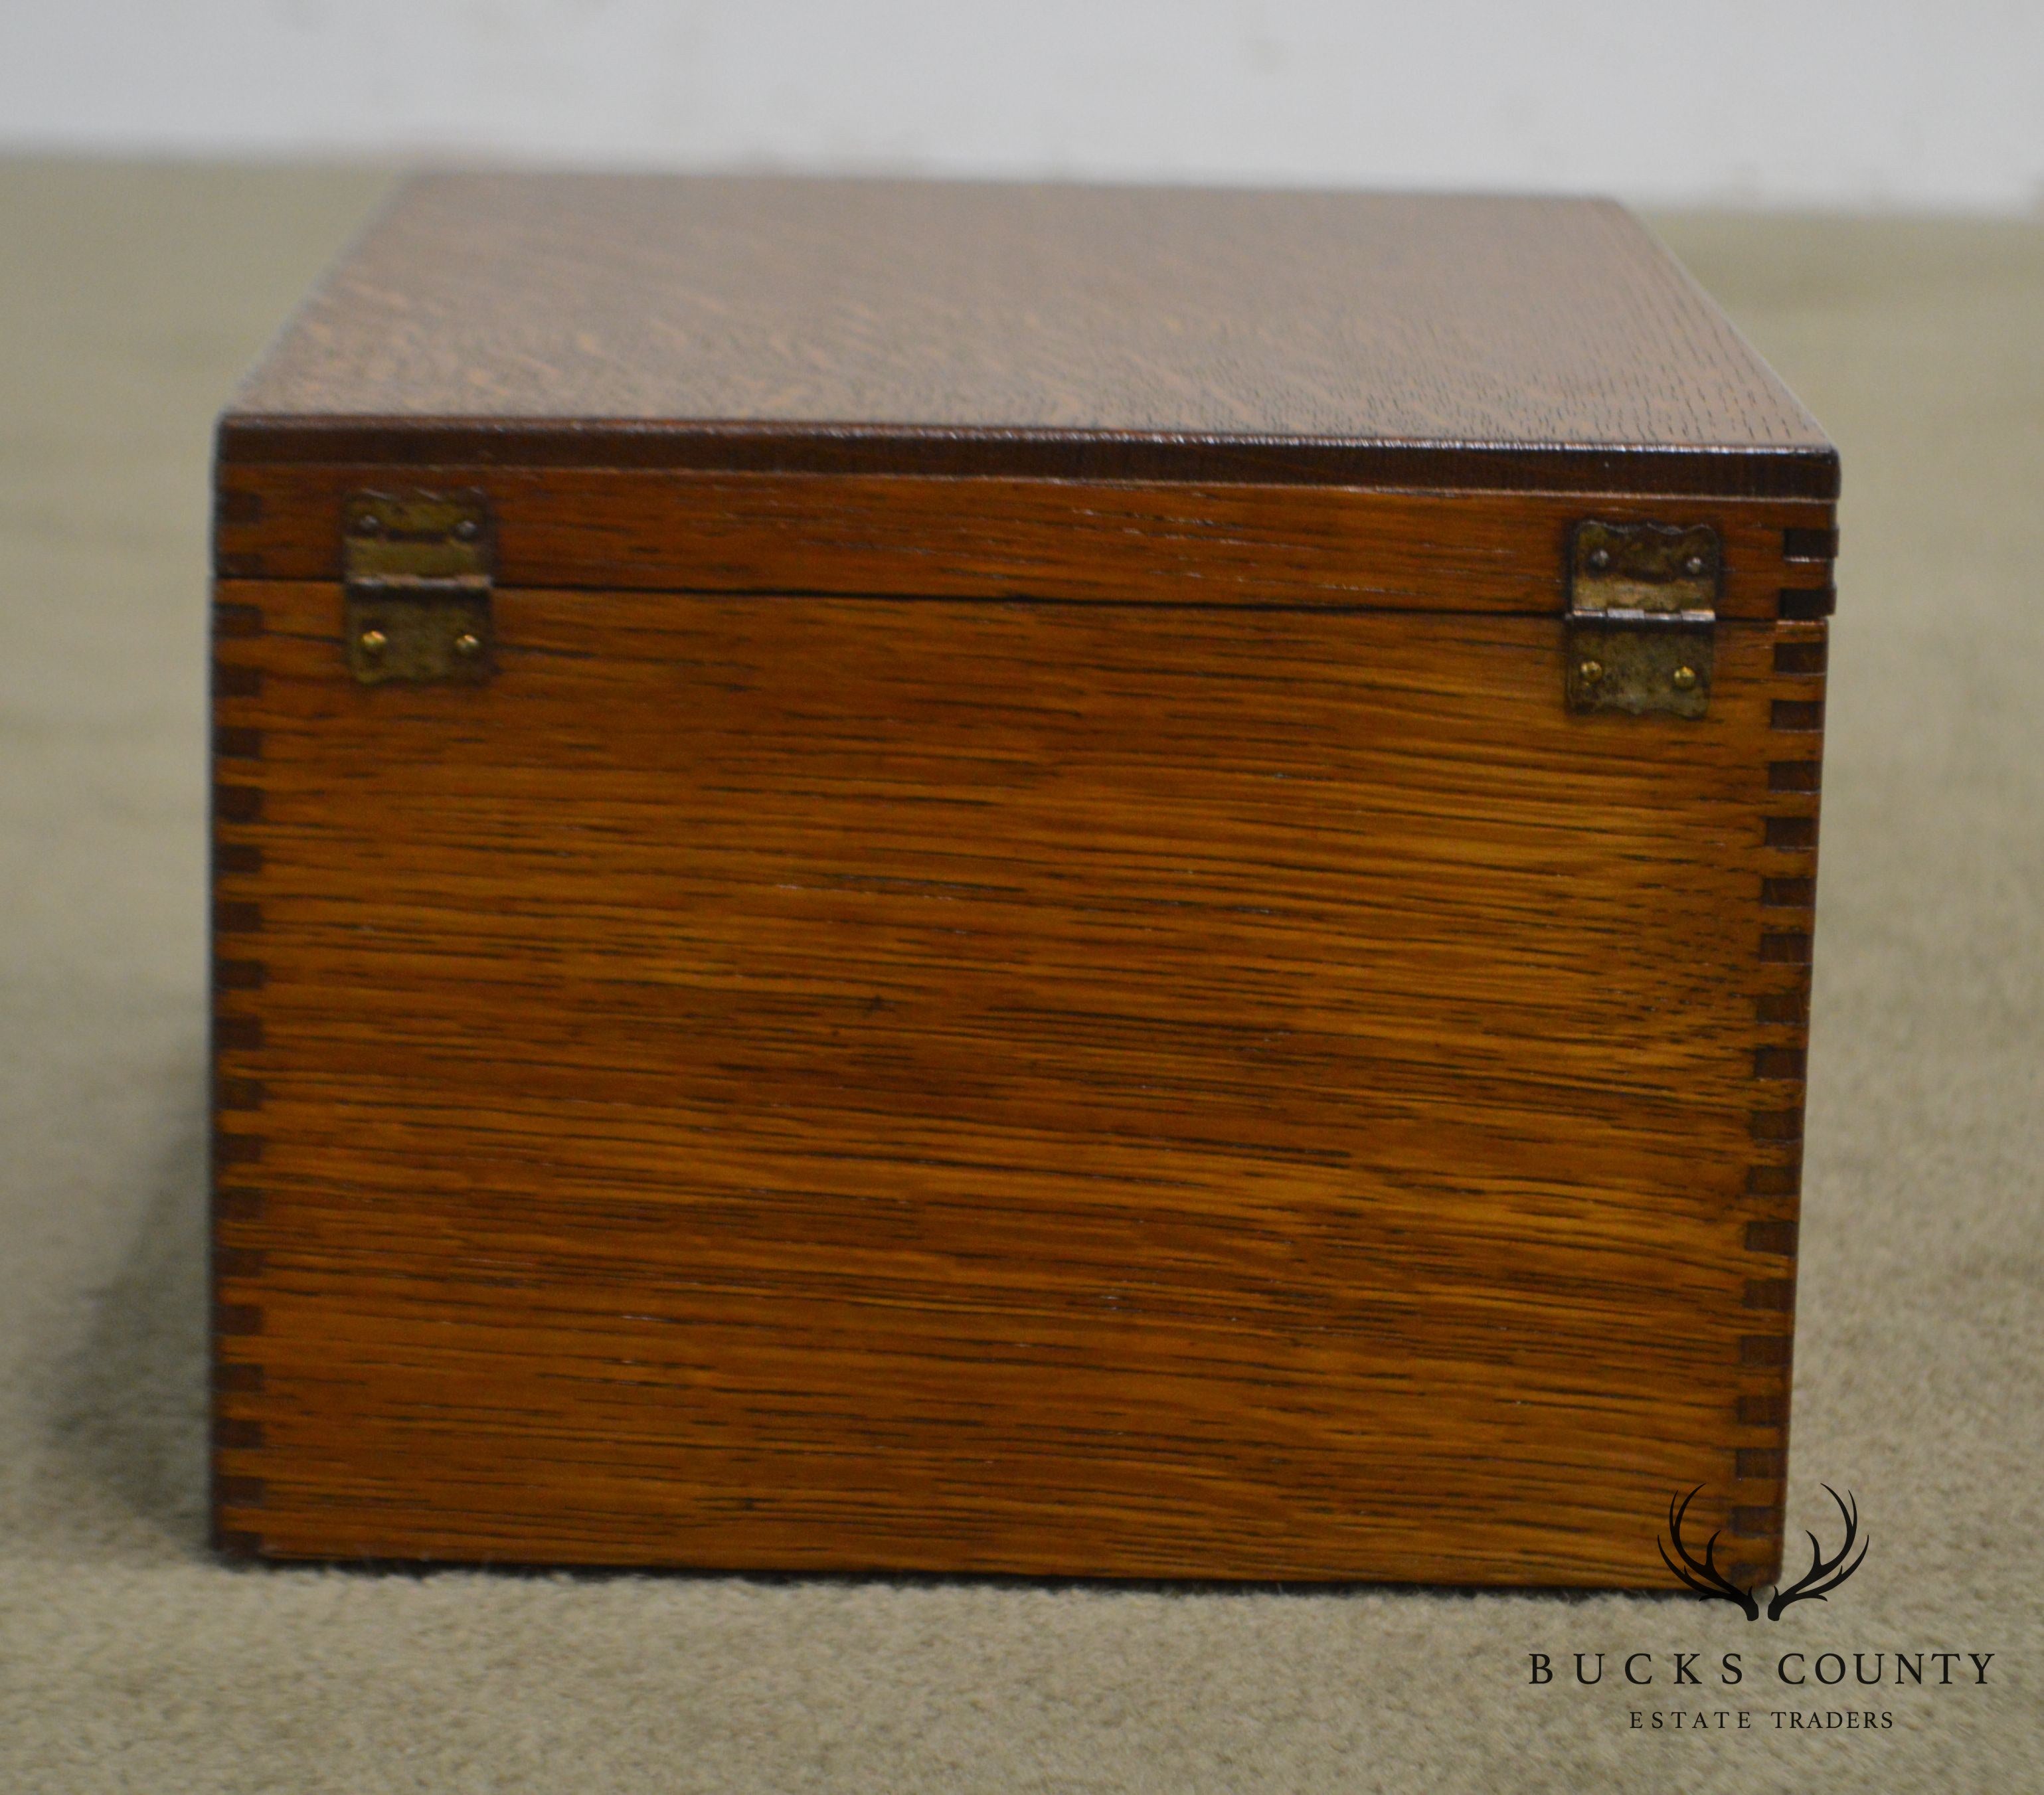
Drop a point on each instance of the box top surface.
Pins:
(1064, 332)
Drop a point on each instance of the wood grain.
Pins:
(804, 1082)
(1154, 543)
(1022, 969)
(1090, 332)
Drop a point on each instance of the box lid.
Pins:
(1060, 332)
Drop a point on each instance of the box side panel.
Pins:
(1123, 544)
(835, 1084)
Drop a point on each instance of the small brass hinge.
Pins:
(417, 567)
(1642, 624)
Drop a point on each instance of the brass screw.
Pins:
(1599, 558)
(1682, 678)
(1694, 565)
(468, 644)
(465, 530)
(1590, 672)
(368, 523)
(373, 641)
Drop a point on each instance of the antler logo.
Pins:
(1712, 1584)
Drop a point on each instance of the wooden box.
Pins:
(954, 878)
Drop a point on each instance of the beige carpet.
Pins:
(129, 1660)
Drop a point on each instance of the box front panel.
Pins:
(838, 1083)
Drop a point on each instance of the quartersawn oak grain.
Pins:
(1093, 332)
(1022, 969)
(844, 1084)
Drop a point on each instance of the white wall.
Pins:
(1852, 102)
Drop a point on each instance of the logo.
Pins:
(1712, 1584)
(1709, 1690)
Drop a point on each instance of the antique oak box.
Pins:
(955, 878)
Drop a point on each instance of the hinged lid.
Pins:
(1138, 394)
(1068, 331)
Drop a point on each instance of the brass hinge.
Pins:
(417, 567)
(1642, 624)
